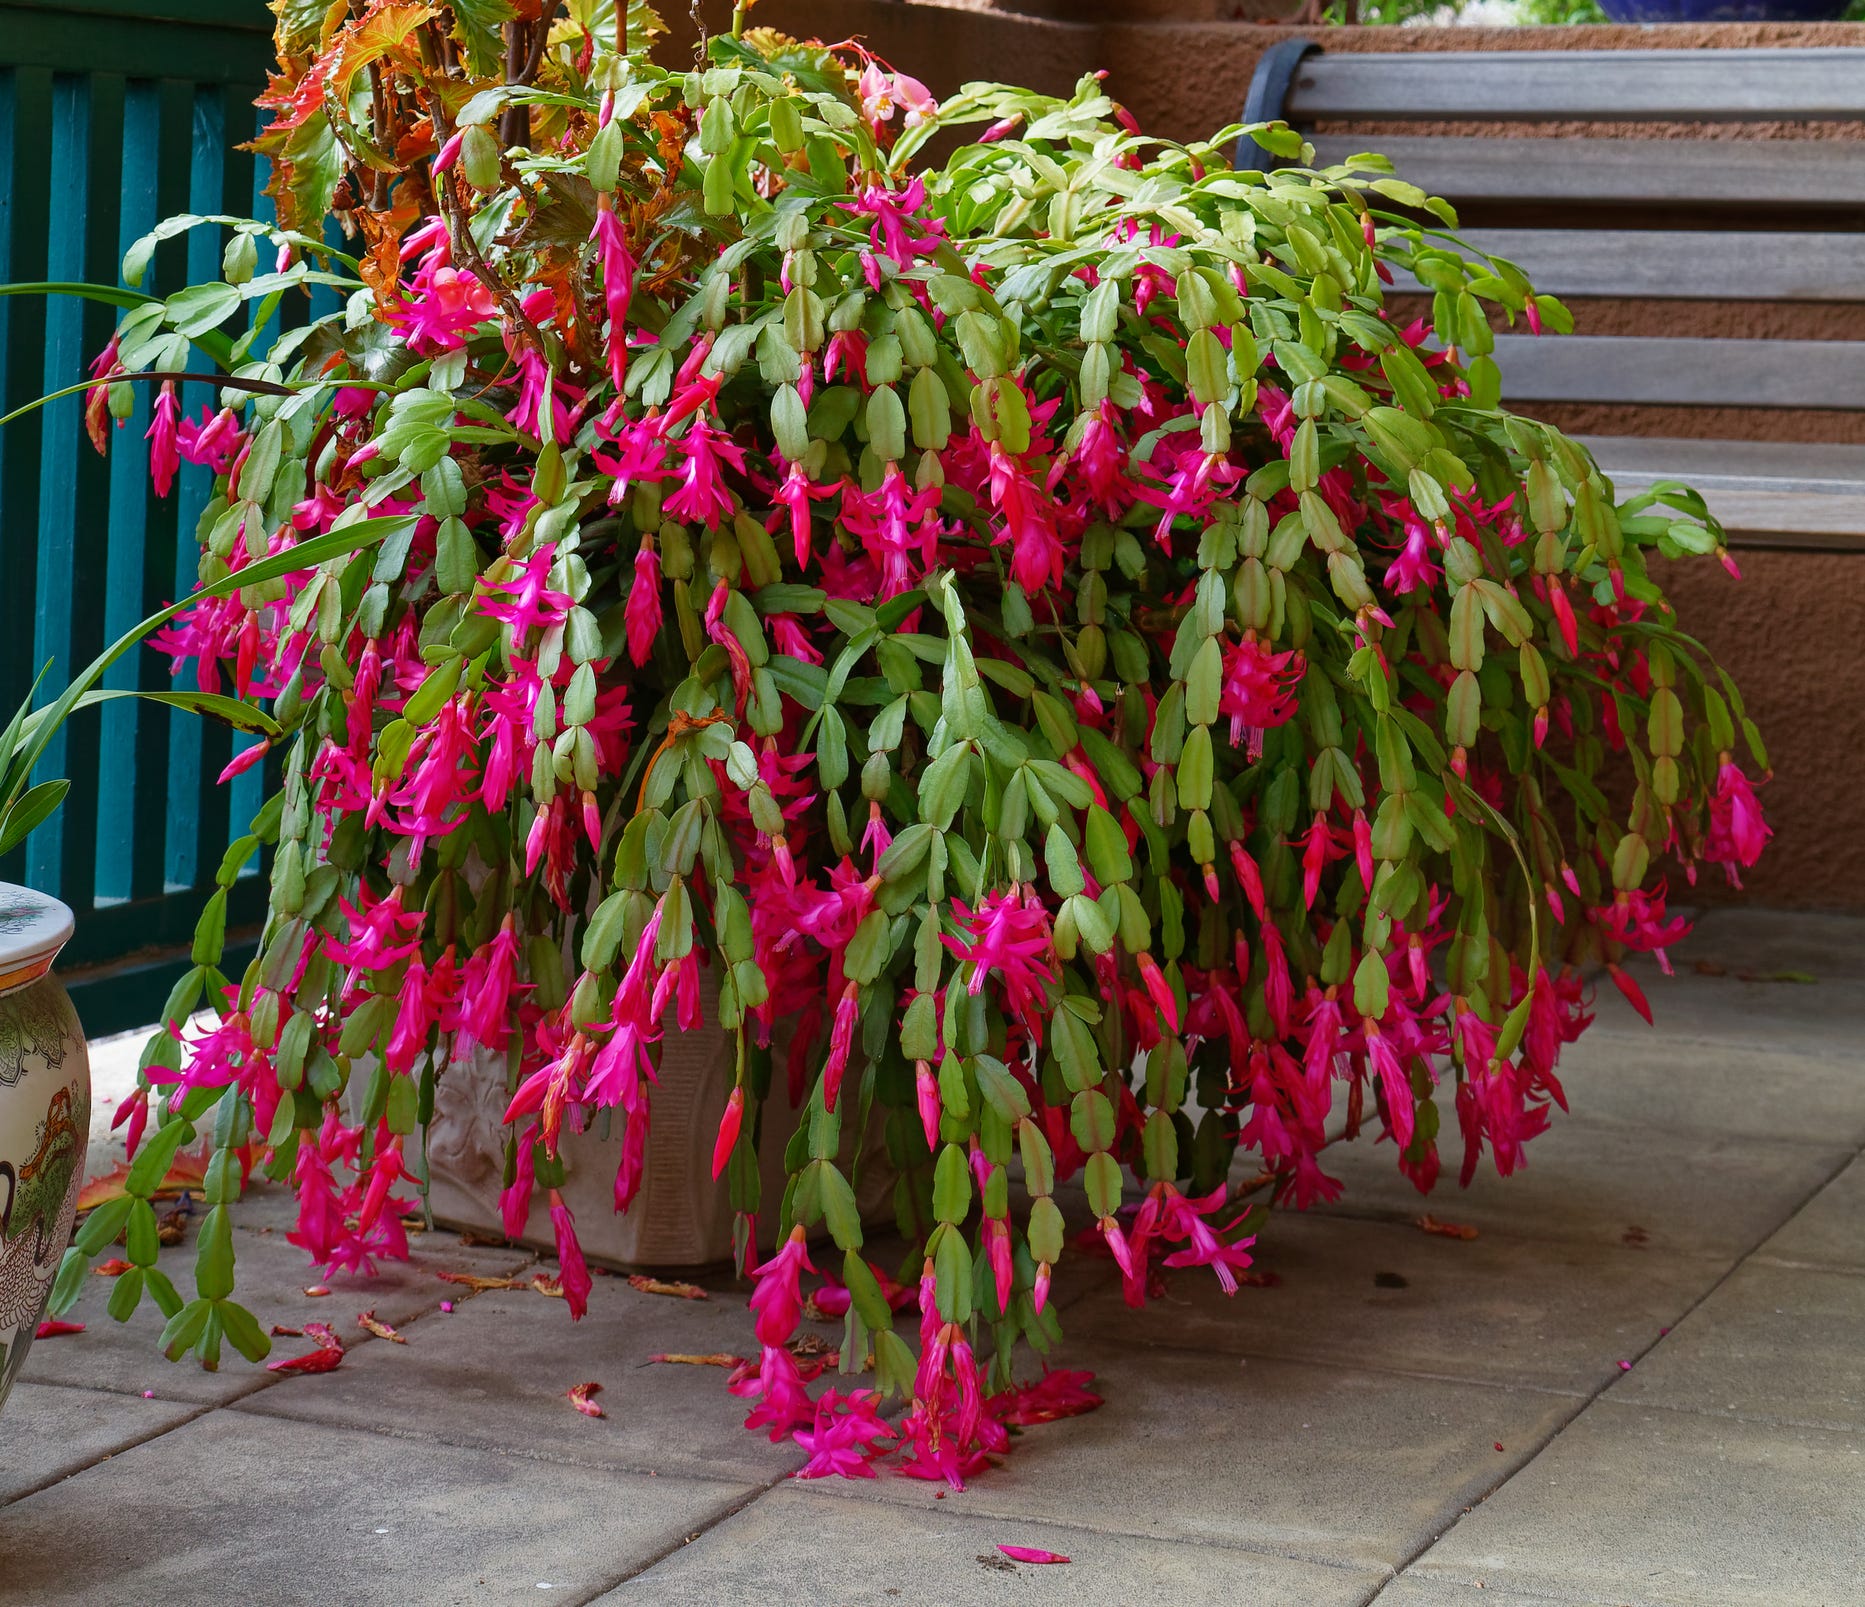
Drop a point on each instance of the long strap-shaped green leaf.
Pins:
(236, 712)
(217, 346)
(258, 387)
(337, 543)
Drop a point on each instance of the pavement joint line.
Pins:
(257, 1382)
(1384, 1370)
(1601, 1392)
(1477, 1593)
(1394, 1218)
(1765, 1419)
(751, 1499)
(1768, 1045)
(495, 1447)
(831, 1490)
(1832, 1269)
(98, 1461)
(134, 1393)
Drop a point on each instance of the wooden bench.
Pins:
(1752, 220)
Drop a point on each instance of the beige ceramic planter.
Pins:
(45, 1116)
(681, 1217)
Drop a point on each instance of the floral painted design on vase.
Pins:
(45, 1114)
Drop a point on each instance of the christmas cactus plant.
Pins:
(1038, 625)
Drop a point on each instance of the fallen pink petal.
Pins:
(1031, 1554)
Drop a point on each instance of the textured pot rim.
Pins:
(33, 928)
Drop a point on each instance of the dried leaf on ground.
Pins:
(1446, 1230)
(369, 1321)
(580, 1398)
(478, 1284)
(545, 1284)
(717, 1358)
(187, 1171)
(665, 1286)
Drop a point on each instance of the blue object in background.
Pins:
(1643, 11)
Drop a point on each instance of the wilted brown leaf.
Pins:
(664, 1286)
(369, 1321)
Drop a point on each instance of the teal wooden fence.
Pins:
(113, 115)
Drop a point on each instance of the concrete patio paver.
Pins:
(1408, 1590)
(1656, 1508)
(1332, 1438)
(1644, 1078)
(1817, 1017)
(1497, 1309)
(52, 1432)
(800, 1544)
(234, 1508)
(1323, 1463)
(1829, 1231)
(1592, 1182)
(1786, 1344)
(1828, 948)
(272, 1277)
(494, 1373)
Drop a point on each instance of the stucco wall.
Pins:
(1788, 631)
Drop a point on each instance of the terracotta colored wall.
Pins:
(1788, 632)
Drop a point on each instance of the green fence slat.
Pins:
(102, 99)
(123, 728)
(24, 223)
(60, 433)
(190, 851)
(114, 114)
(13, 657)
(241, 16)
(133, 45)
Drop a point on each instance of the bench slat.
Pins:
(1665, 369)
(1788, 494)
(1733, 465)
(1788, 518)
(1684, 263)
(1610, 85)
(1719, 173)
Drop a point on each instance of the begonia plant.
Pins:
(1038, 625)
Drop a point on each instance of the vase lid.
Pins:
(33, 928)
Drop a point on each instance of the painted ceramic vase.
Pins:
(45, 1116)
